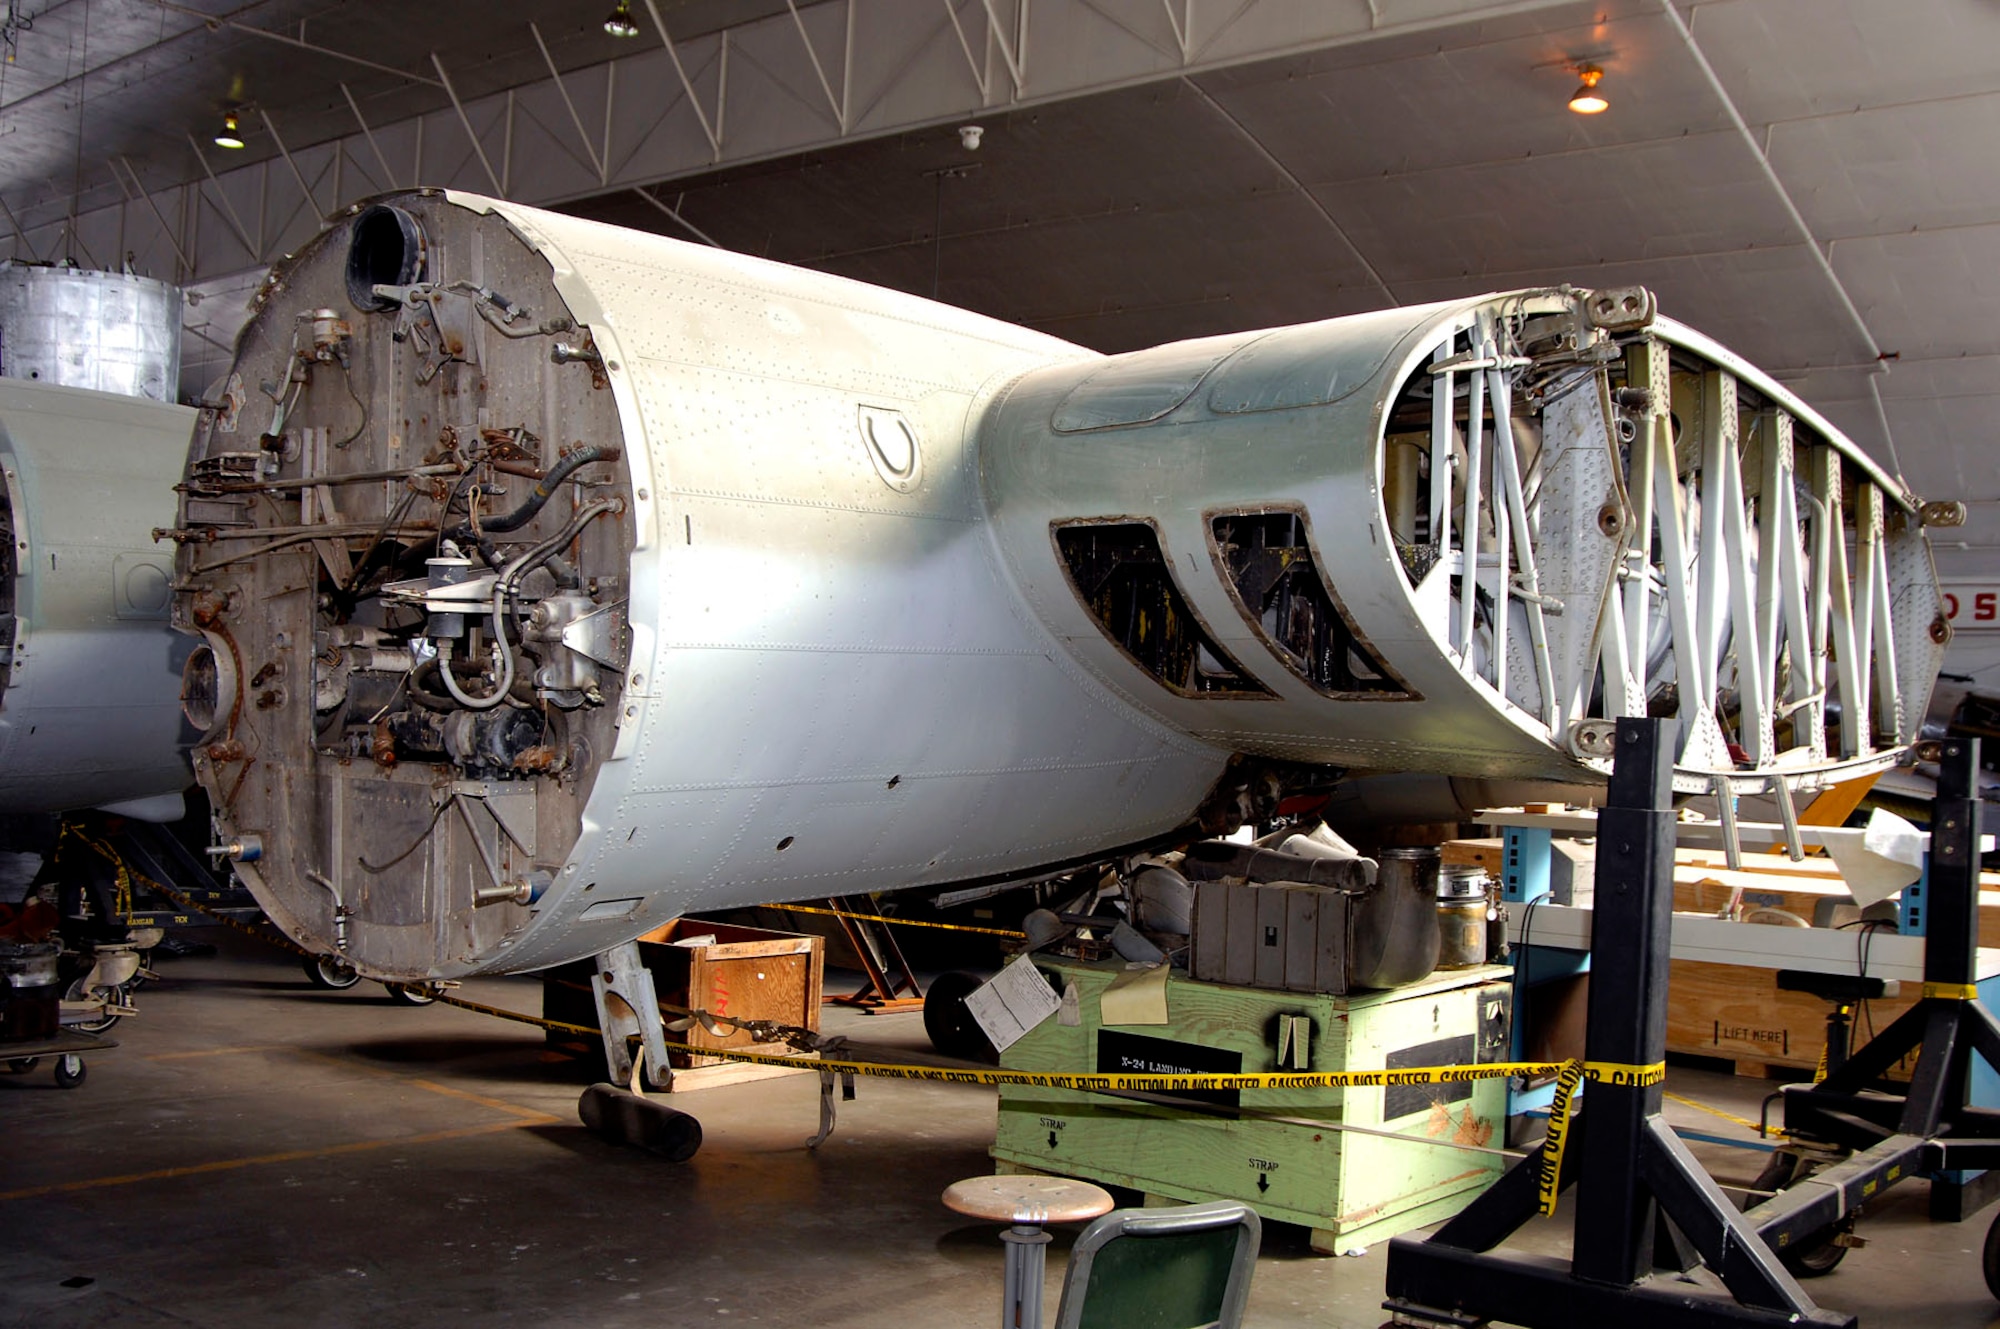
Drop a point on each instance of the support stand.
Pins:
(889, 974)
(1931, 1125)
(1948, 1025)
(1634, 1168)
(628, 1007)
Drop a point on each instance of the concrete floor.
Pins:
(258, 1153)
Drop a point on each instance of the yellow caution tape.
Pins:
(1952, 991)
(1571, 1071)
(562, 1025)
(1162, 1083)
(1548, 1172)
(196, 907)
(1057, 1080)
(899, 922)
(1619, 1073)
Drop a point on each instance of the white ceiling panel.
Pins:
(1911, 167)
(1927, 293)
(1682, 197)
(1448, 107)
(1938, 443)
(1784, 59)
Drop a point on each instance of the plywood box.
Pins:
(1741, 1014)
(743, 973)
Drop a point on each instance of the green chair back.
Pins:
(1182, 1268)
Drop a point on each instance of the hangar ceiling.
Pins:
(1812, 181)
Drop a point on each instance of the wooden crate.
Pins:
(1741, 1015)
(1350, 1189)
(744, 973)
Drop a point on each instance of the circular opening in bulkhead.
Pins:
(208, 688)
(385, 247)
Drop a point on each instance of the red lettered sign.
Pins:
(1972, 606)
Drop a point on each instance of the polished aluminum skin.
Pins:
(1636, 572)
(108, 331)
(552, 580)
(90, 713)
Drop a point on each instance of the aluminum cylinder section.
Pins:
(1463, 539)
(1207, 526)
(90, 711)
(108, 331)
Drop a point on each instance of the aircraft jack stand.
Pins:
(1634, 1170)
(619, 1111)
(1628, 1166)
(1930, 1126)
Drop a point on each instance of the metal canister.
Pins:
(33, 1007)
(1393, 935)
(1463, 904)
(108, 331)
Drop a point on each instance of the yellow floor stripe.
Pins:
(261, 1160)
(500, 1104)
(348, 1064)
(1744, 1122)
(524, 1116)
(216, 1052)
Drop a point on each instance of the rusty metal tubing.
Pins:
(542, 492)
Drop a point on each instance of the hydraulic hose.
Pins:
(503, 586)
(506, 682)
(536, 555)
(544, 489)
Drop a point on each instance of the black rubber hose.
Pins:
(420, 691)
(544, 489)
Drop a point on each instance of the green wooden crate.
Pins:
(1352, 1189)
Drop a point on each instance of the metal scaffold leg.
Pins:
(1639, 1193)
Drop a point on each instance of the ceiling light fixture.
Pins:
(229, 135)
(1587, 100)
(622, 22)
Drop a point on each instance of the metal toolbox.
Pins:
(1331, 926)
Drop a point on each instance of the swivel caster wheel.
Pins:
(410, 994)
(70, 1071)
(330, 972)
(1819, 1254)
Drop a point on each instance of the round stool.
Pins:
(1027, 1202)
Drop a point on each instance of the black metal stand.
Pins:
(1632, 1165)
(1930, 1126)
(1948, 1025)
